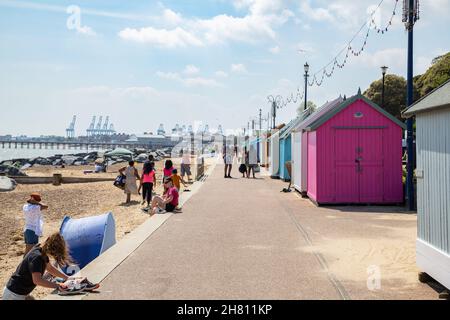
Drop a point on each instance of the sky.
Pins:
(213, 62)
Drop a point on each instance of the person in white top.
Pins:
(186, 164)
(34, 222)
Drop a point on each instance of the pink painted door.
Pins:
(359, 165)
(370, 154)
(347, 175)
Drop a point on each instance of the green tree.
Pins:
(437, 74)
(309, 104)
(394, 94)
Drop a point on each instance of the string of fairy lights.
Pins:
(351, 49)
(339, 60)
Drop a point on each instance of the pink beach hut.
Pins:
(354, 155)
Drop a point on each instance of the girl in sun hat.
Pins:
(34, 222)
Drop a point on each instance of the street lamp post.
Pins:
(383, 72)
(274, 113)
(259, 133)
(410, 16)
(306, 66)
(203, 132)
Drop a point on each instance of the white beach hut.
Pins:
(299, 154)
(274, 154)
(432, 114)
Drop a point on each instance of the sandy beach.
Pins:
(74, 200)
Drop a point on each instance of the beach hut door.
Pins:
(370, 153)
(359, 165)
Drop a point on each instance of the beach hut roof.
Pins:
(316, 114)
(294, 123)
(331, 112)
(437, 99)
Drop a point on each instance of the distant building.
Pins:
(161, 130)
(155, 141)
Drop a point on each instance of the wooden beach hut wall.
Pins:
(262, 151)
(299, 149)
(274, 154)
(267, 153)
(286, 144)
(355, 155)
(433, 183)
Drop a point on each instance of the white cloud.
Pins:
(86, 31)
(223, 28)
(162, 38)
(392, 57)
(171, 17)
(238, 68)
(221, 74)
(349, 14)
(422, 64)
(191, 69)
(318, 14)
(168, 75)
(275, 50)
(201, 82)
(259, 24)
(189, 81)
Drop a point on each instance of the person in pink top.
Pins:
(168, 168)
(148, 182)
(169, 200)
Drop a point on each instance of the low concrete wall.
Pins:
(50, 180)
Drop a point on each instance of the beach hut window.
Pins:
(358, 115)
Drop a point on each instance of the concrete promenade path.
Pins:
(243, 239)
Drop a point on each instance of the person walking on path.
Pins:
(34, 223)
(168, 168)
(169, 200)
(131, 176)
(186, 164)
(30, 271)
(252, 161)
(228, 152)
(148, 182)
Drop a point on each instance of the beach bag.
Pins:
(242, 168)
(119, 182)
(256, 168)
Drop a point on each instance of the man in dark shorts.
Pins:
(186, 164)
(169, 201)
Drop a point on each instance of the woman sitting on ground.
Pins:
(168, 201)
(30, 271)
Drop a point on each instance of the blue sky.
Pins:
(215, 61)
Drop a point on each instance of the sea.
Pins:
(19, 153)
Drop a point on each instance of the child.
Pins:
(148, 182)
(33, 221)
(176, 179)
(167, 171)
